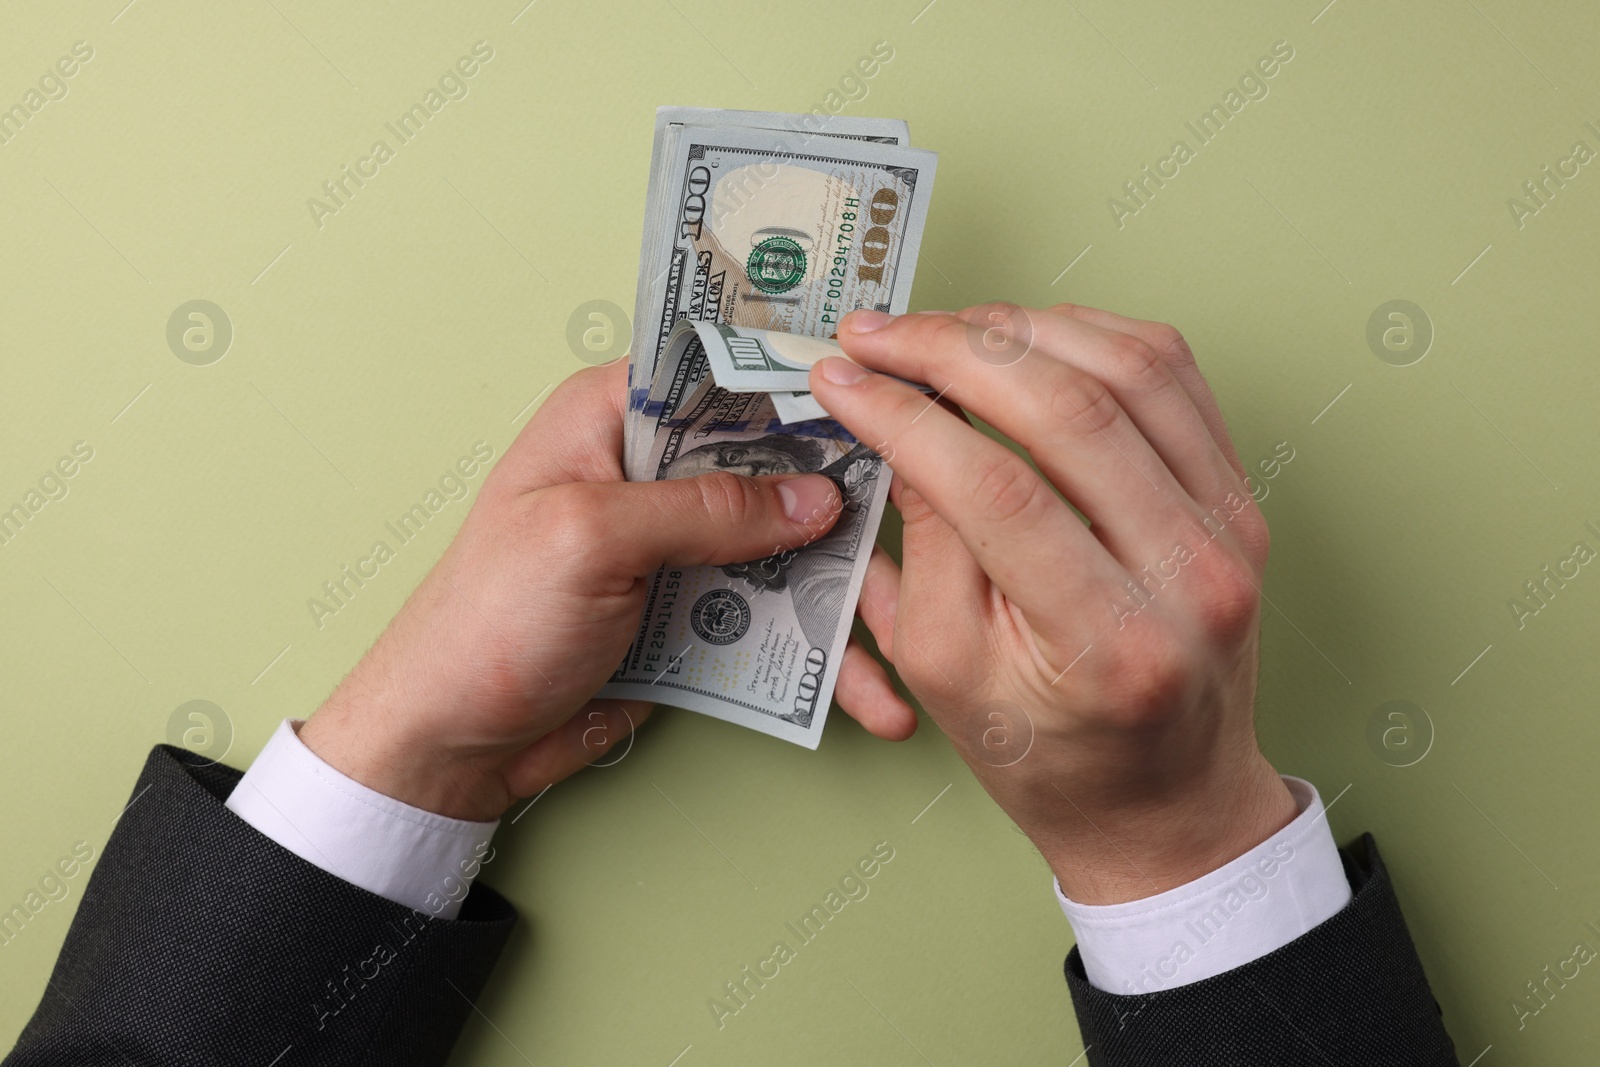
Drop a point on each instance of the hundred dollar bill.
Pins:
(751, 233)
(746, 360)
(757, 643)
(790, 133)
(796, 407)
(801, 125)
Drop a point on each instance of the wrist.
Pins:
(376, 749)
(1141, 848)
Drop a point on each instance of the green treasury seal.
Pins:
(720, 617)
(777, 265)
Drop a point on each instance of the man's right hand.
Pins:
(1098, 679)
(479, 691)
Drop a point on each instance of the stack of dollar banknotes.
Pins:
(761, 232)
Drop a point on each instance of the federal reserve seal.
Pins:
(720, 617)
(777, 265)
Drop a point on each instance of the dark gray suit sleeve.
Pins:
(1351, 991)
(199, 940)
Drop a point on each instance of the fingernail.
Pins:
(841, 371)
(933, 313)
(808, 498)
(867, 321)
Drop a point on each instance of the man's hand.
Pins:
(479, 690)
(1098, 678)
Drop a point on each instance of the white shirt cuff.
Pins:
(404, 854)
(1282, 888)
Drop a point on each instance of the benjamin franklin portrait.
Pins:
(817, 576)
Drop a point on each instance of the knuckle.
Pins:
(728, 497)
(914, 507)
(1171, 345)
(941, 333)
(996, 310)
(918, 345)
(589, 379)
(1250, 530)
(1007, 489)
(1240, 516)
(1146, 680)
(1082, 404)
(997, 329)
(581, 386)
(1227, 599)
(1140, 365)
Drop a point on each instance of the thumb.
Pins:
(717, 518)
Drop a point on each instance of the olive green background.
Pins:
(431, 311)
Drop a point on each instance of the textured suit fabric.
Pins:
(1351, 991)
(200, 940)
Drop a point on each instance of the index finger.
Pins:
(1175, 353)
(575, 435)
(1022, 534)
